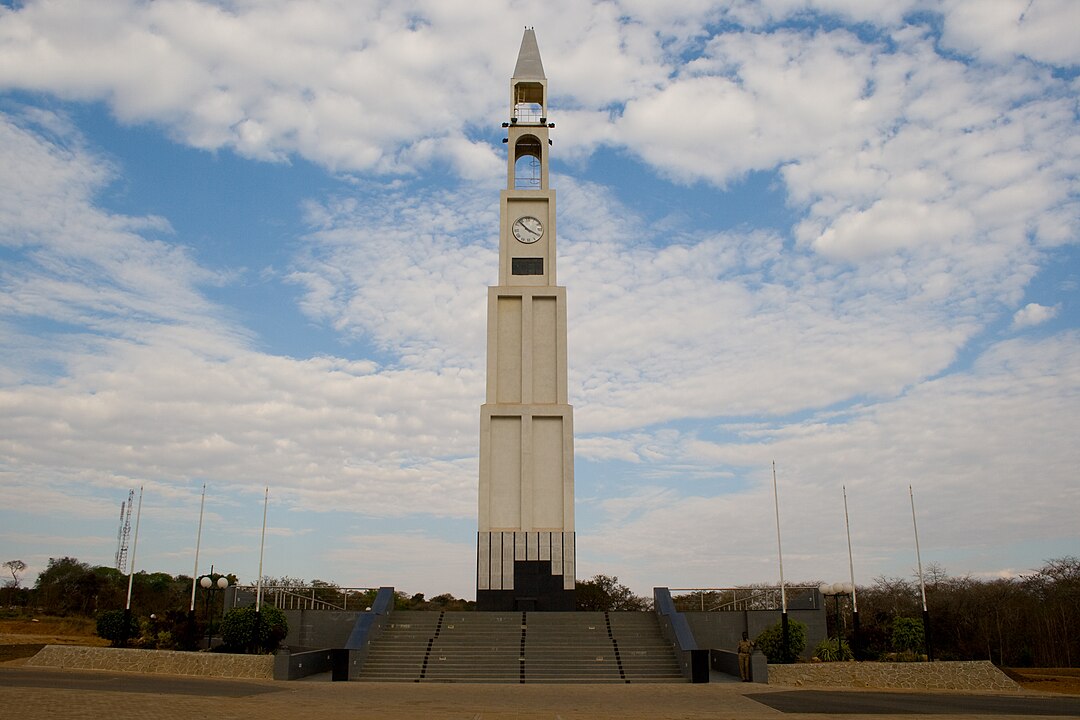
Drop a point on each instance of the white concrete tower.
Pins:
(525, 540)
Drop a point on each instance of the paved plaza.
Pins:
(45, 693)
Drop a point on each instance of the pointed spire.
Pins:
(528, 62)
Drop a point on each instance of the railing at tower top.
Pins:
(531, 113)
(744, 599)
(307, 597)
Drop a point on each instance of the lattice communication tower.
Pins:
(124, 532)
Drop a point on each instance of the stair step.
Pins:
(485, 647)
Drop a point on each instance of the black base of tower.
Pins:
(535, 590)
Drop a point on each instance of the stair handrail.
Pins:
(693, 661)
(769, 595)
(301, 597)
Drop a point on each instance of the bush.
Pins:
(110, 625)
(185, 632)
(907, 635)
(827, 651)
(771, 642)
(238, 629)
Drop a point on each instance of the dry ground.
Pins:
(1056, 680)
(22, 638)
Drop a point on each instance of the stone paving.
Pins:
(67, 697)
(27, 692)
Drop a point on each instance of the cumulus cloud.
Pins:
(1002, 29)
(926, 190)
(1017, 399)
(345, 84)
(1034, 314)
(153, 381)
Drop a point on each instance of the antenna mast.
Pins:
(125, 531)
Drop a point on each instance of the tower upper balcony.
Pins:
(528, 87)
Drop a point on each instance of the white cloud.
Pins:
(344, 84)
(405, 270)
(401, 559)
(1017, 399)
(998, 30)
(1034, 314)
(926, 191)
(155, 386)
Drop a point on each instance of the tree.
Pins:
(771, 642)
(238, 629)
(117, 627)
(446, 601)
(14, 567)
(604, 592)
(67, 586)
(907, 635)
(1055, 612)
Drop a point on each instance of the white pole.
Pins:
(779, 547)
(198, 542)
(918, 555)
(134, 548)
(851, 561)
(262, 546)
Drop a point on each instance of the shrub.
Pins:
(111, 626)
(907, 635)
(238, 629)
(186, 632)
(771, 642)
(827, 651)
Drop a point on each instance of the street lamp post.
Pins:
(836, 591)
(210, 583)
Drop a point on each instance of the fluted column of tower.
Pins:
(525, 538)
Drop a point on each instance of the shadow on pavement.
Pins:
(875, 703)
(104, 681)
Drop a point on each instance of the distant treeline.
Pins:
(1027, 621)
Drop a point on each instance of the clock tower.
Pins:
(525, 539)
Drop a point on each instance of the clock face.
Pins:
(527, 229)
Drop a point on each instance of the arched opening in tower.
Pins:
(527, 157)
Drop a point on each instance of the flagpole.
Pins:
(851, 570)
(198, 542)
(785, 632)
(258, 586)
(262, 547)
(922, 582)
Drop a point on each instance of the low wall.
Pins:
(727, 662)
(163, 662)
(976, 675)
(293, 665)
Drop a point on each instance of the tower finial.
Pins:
(528, 62)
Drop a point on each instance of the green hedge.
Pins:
(238, 629)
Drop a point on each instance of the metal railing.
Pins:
(307, 598)
(743, 599)
(528, 112)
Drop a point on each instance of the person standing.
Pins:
(745, 650)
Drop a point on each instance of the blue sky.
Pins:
(247, 244)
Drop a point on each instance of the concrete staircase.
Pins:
(535, 647)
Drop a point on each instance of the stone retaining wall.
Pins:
(977, 675)
(164, 662)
